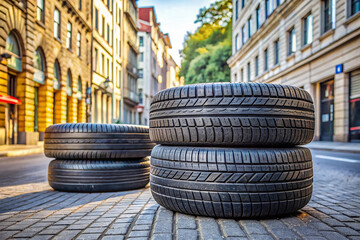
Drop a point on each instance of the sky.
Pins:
(176, 17)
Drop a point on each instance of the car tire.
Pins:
(232, 114)
(97, 141)
(230, 182)
(99, 175)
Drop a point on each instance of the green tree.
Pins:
(206, 51)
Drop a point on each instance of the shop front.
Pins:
(354, 109)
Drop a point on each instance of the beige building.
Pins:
(314, 45)
(157, 69)
(129, 97)
(107, 58)
(44, 66)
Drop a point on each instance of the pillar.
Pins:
(341, 107)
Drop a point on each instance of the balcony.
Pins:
(131, 97)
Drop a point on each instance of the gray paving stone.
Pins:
(162, 236)
(347, 231)
(139, 234)
(188, 234)
(231, 228)
(94, 230)
(42, 237)
(88, 236)
(209, 229)
(260, 237)
(253, 227)
(67, 234)
(163, 221)
(114, 237)
(116, 231)
(185, 221)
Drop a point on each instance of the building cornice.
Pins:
(270, 24)
(78, 18)
(338, 43)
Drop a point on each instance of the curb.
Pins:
(22, 152)
(357, 151)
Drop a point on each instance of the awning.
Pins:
(9, 99)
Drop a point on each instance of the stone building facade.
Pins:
(45, 64)
(107, 58)
(129, 93)
(157, 69)
(314, 45)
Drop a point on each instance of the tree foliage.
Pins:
(206, 51)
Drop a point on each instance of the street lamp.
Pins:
(4, 56)
(106, 83)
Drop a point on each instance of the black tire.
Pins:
(231, 183)
(232, 114)
(97, 141)
(98, 176)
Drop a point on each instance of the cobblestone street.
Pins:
(29, 208)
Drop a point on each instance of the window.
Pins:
(108, 67)
(36, 109)
(278, 2)
(108, 33)
(329, 15)
(103, 27)
(56, 80)
(141, 73)
(119, 16)
(248, 72)
(308, 29)
(78, 44)
(80, 4)
(242, 3)
(291, 41)
(243, 35)
(258, 17)
(57, 23)
(119, 48)
(141, 57)
(276, 52)
(69, 35)
(256, 65)
(268, 8)
(39, 65)
(237, 42)
(108, 4)
(242, 75)
(97, 19)
(235, 78)
(118, 79)
(141, 41)
(69, 83)
(96, 60)
(249, 27)
(266, 60)
(354, 6)
(236, 9)
(79, 93)
(40, 14)
(103, 64)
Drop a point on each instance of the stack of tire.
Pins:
(97, 157)
(229, 150)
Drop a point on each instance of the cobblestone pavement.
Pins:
(33, 210)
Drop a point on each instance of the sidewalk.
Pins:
(20, 150)
(349, 147)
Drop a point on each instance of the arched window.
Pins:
(69, 83)
(13, 48)
(79, 93)
(39, 64)
(56, 79)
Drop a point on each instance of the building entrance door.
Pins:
(12, 112)
(327, 111)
